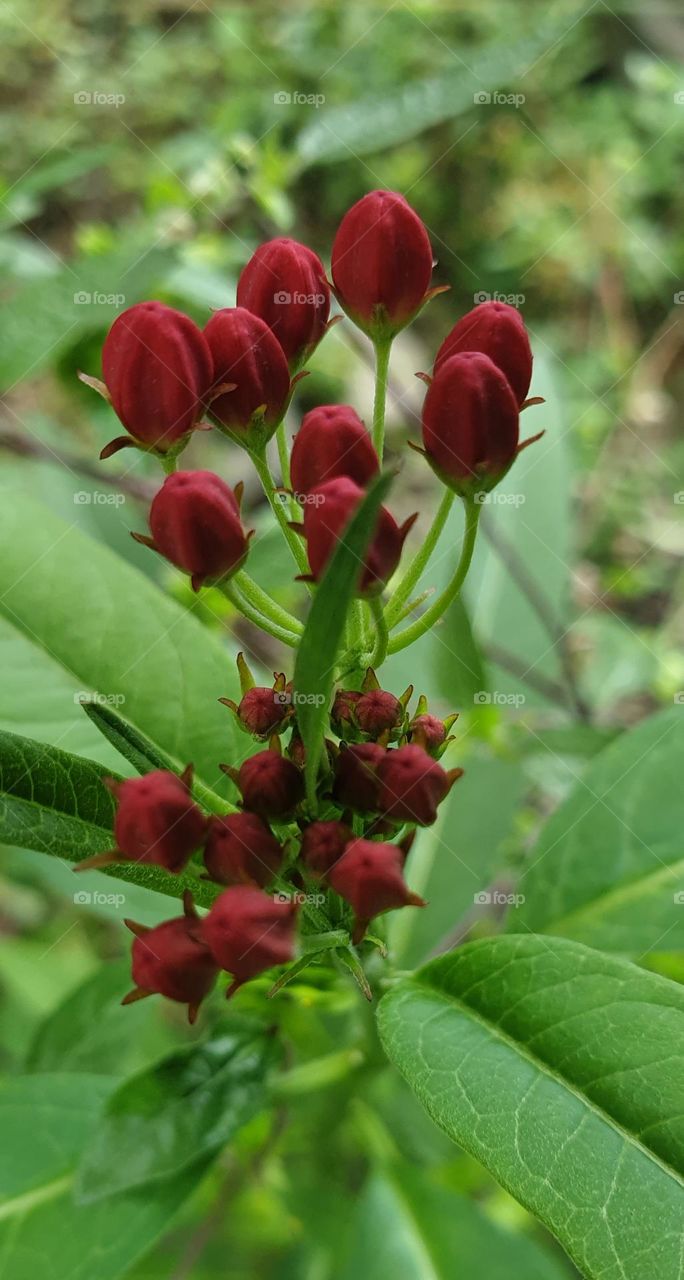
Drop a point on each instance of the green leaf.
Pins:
(338, 133)
(115, 634)
(320, 644)
(177, 1112)
(560, 1069)
(46, 1121)
(460, 670)
(608, 868)
(56, 803)
(410, 1227)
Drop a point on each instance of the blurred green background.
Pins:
(147, 149)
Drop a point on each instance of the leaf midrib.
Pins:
(546, 1069)
(631, 889)
(50, 809)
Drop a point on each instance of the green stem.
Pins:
(283, 455)
(292, 539)
(243, 606)
(265, 603)
(441, 604)
(382, 634)
(413, 575)
(383, 347)
(169, 463)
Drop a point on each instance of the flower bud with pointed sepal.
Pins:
(428, 731)
(270, 784)
(248, 932)
(246, 354)
(378, 712)
(369, 876)
(261, 711)
(156, 821)
(195, 523)
(356, 785)
(284, 284)
(323, 844)
(498, 331)
(240, 849)
(172, 960)
(411, 785)
(332, 441)
(327, 518)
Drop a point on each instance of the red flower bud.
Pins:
(378, 712)
(173, 961)
(284, 283)
(470, 423)
(270, 784)
(326, 520)
(156, 821)
(430, 729)
(342, 714)
(245, 352)
(411, 785)
(498, 330)
(240, 849)
(247, 932)
(356, 782)
(157, 369)
(264, 711)
(332, 441)
(381, 263)
(195, 523)
(369, 876)
(323, 844)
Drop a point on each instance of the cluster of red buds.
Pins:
(380, 776)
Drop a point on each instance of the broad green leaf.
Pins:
(608, 868)
(410, 1227)
(177, 1112)
(340, 132)
(459, 665)
(320, 644)
(115, 634)
(560, 1069)
(46, 1121)
(56, 803)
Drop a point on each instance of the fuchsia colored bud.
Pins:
(369, 875)
(156, 821)
(412, 785)
(332, 441)
(195, 523)
(470, 423)
(356, 781)
(173, 961)
(240, 849)
(245, 352)
(323, 844)
(326, 520)
(381, 263)
(269, 783)
(498, 330)
(284, 283)
(157, 370)
(248, 932)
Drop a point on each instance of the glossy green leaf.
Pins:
(320, 644)
(608, 868)
(176, 1113)
(46, 1121)
(560, 1069)
(56, 803)
(410, 1227)
(116, 635)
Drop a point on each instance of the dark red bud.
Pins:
(172, 960)
(156, 820)
(248, 932)
(323, 844)
(470, 423)
(244, 351)
(157, 368)
(263, 711)
(381, 263)
(369, 876)
(356, 781)
(327, 516)
(411, 785)
(342, 714)
(431, 730)
(270, 785)
(332, 441)
(195, 523)
(378, 712)
(284, 284)
(498, 330)
(240, 849)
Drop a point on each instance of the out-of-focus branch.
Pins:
(26, 446)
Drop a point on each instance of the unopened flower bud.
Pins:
(369, 876)
(429, 731)
(247, 932)
(240, 849)
(412, 785)
(356, 777)
(332, 441)
(323, 844)
(498, 330)
(195, 523)
(326, 520)
(246, 353)
(172, 960)
(284, 283)
(156, 821)
(342, 714)
(269, 783)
